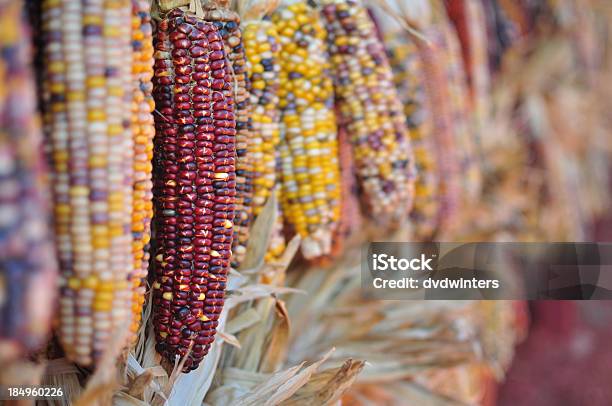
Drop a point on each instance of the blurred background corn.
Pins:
(431, 56)
(143, 131)
(468, 18)
(228, 24)
(350, 216)
(195, 184)
(310, 192)
(408, 77)
(459, 99)
(88, 88)
(28, 267)
(370, 109)
(502, 31)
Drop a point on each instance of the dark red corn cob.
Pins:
(195, 185)
(350, 215)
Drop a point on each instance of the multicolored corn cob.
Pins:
(371, 111)
(262, 45)
(310, 192)
(28, 267)
(468, 18)
(89, 86)
(143, 131)
(408, 77)
(228, 24)
(463, 125)
(195, 184)
(432, 58)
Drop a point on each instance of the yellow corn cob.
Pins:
(277, 241)
(408, 77)
(310, 176)
(262, 47)
(89, 85)
(143, 132)
(370, 109)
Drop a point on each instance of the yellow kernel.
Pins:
(74, 283)
(102, 306)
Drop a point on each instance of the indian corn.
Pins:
(408, 77)
(458, 97)
(262, 46)
(88, 85)
(310, 192)
(143, 132)
(28, 267)
(350, 216)
(432, 59)
(228, 24)
(195, 184)
(371, 111)
(468, 19)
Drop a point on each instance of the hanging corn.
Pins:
(350, 216)
(27, 263)
(262, 47)
(88, 113)
(431, 56)
(468, 18)
(408, 77)
(195, 184)
(143, 131)
(371, 111)
(228, 24)
(459, 96)
(310, 192)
